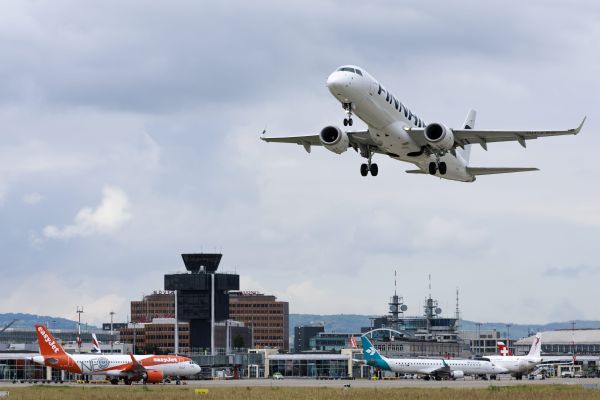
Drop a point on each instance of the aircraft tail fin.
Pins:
(468, 124)
(536, 346)
(49, 347)
(503, 349)
(372, 356)
(95, 345)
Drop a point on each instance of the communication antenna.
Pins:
(429, 285)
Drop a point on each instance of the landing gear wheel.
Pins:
(127, 381)
(374, 169)
(442, 167)
(432, 168)
(114, 381)
(364, 169)
(348, 108)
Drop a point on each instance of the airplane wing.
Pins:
(483, 137)
(356, 138)
(436, 370)
(135, 368)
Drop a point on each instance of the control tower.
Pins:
(202, 295)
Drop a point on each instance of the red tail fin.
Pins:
(49, 347)
(503, 349)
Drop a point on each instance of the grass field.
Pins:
(550, 392)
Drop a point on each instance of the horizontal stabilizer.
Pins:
(414, 171)
(491, 171)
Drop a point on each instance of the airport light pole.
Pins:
(112, 338)
(79, 312)
(573, 341)
(508, 336)
(212, 314)
(176, 327)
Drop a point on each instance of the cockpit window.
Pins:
(359, 72)
(348, 69)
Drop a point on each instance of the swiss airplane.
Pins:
(518, 365)
(396, 131)
(429, 368)
(130, 368)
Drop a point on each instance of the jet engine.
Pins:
(457, 374)
(333, 139)
(152, 376)
(439, 136)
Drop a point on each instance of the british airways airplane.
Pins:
(396, 131)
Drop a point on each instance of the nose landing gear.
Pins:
(348, 108)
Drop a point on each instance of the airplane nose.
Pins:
(337, 81)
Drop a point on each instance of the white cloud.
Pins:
(438, 232)
(60, 298)
(32, 198)
(108, 217)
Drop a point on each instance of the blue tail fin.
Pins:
(469, 124)
(372, 356)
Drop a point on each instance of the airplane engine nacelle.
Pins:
(152, 376)
(457, 374)
(439, 136)
(333, 139)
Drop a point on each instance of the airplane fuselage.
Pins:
(387, 118)
(113, 365)
(515, 364)
(422, 366)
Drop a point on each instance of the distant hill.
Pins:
(28, 321)
(351, 323)
(341, 323)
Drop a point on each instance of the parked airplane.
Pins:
(519, 365)
(429, 368)
(394, 130)
(130, 368)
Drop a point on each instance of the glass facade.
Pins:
(309, 368)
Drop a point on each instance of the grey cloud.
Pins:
(573, 272)
(166, 101)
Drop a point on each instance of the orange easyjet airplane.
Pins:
(146, 368)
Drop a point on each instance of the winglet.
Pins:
(580, 125)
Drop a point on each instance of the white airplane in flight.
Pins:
(428, 367)
(130, 368)
(394, 130)
(519, 365)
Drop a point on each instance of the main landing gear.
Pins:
(369, 167)
(439, 166)
(348, 119)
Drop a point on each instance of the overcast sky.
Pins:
(129, 133)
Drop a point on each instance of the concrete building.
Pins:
(157, 336)
(484, 342)
(160, 304)
(565, 342)
(267, 318)
(303, 335)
